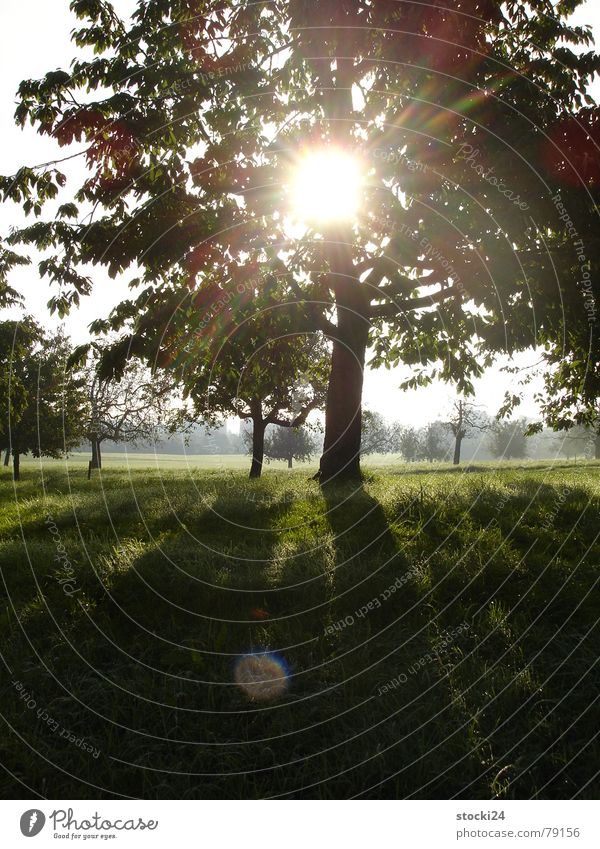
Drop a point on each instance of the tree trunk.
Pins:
(96, 462)
(457, 443)
(16, 466)
(290, 459)
(258, 447)
(7, 457)
(597, 447)
(343, 415)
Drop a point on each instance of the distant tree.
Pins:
(17, 339)
(579, 441)
(291, 443)
(375, 434)
(434, 442)
(247, 357)
(464, 418)
(138, 407)
(44, 406)
(508, 439)
(409, 444)
(264, 373)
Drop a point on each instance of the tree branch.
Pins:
(391, 310)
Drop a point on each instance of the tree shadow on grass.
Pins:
(144, 654)
(179, 612)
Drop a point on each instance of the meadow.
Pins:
(435, 631)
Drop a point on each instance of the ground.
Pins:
(431, 634)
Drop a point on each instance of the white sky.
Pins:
(35, 38)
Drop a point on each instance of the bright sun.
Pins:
(326, 186)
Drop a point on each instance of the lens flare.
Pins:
(326, 186)
(262, 676)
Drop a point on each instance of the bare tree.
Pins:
(464, 417)
(137, 408)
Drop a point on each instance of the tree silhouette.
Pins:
(464, 418)
(194, 122)
(508, 440)
(138, 407)
(290, 443)
(44, 406)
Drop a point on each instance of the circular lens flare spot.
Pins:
(326, 186)
(262, 676)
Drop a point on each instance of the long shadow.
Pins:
(142, 657)
(368, 552)
(174, 616)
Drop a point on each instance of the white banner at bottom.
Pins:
(302, 824)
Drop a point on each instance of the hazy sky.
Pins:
(35, 38)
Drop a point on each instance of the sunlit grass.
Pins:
(178, 571)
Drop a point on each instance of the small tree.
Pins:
(408, 443)
(376, 437)
(290, 443)
(509, 440)
(45, 403)
(17, 340)
(268, 397)
(257, 368)
(138, 407)
(434, 442)
(579, 441)
(464, 418)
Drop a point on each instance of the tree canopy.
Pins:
(43, 401)
(472, 127)
(290, 443)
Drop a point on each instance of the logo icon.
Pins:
(32, 822)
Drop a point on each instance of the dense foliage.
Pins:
(476, 231)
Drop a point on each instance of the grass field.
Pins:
(432, 634)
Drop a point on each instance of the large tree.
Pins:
(195, 116)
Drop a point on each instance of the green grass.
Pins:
(178, 569)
